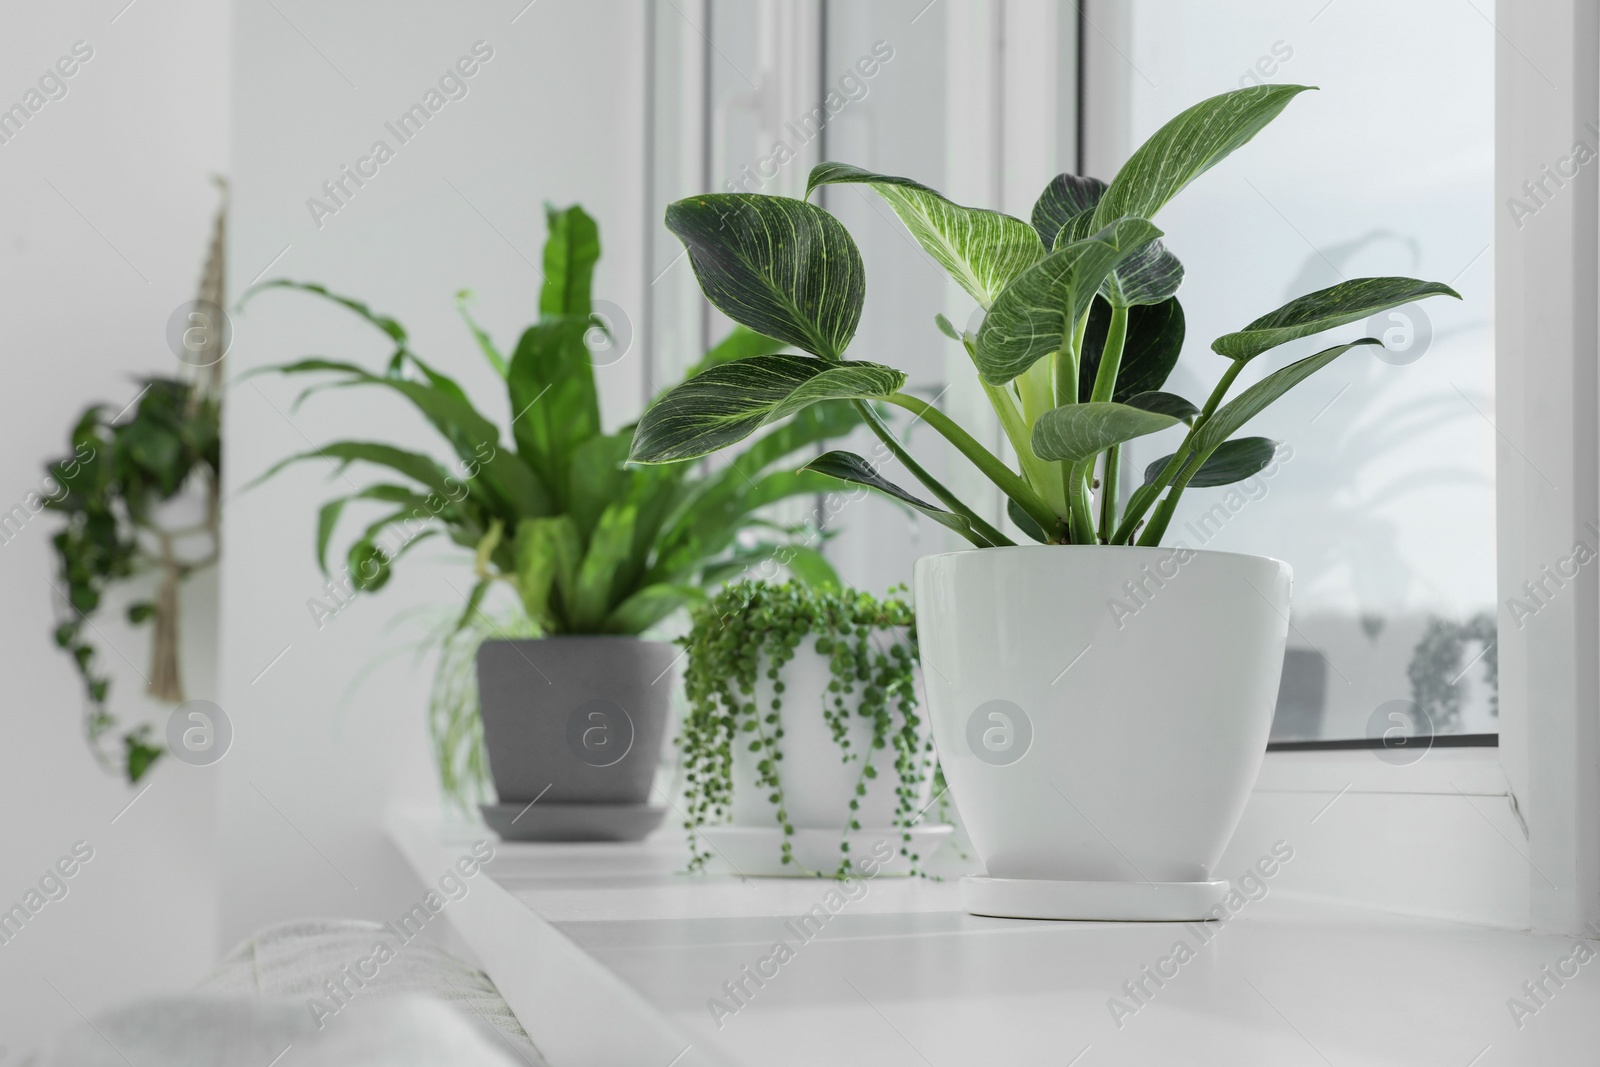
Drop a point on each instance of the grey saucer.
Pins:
(572, 822)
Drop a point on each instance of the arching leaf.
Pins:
(983, 250)
(849, 467)
(782, 267)
(1064, 199)
(1254, 400)
(1164, 404)
(1323, 310)
(1233, 461)
(1078, 432)
(1188, 146)
(1036, 312)
(728, 403)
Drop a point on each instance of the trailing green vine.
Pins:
(755, 627)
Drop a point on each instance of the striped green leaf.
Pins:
(1233, 461)
(1188, 146)
(1066, 198)
(726, 404)
(1149, 276)
(1254, 400)
(1323, 310)
(1164, 404)
(1078, 432)
(983, 250)
(1039, 309)
(782, 267)
(849, 467)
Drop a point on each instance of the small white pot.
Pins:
(1101, 715)
(817, 783)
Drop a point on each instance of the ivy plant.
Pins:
(119, 471)
(1081, 328)
(589, 545)
(755, 628)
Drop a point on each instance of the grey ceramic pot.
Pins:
(575, 720)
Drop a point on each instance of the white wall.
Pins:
(557, 114)
(108, 212)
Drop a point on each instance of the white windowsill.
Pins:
(1470, 771)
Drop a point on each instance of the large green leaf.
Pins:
(983, 250)
(500, 476)
(714, 522)
(328, 515)
(1250, 403)
(546, 553)
(1037, 311)
(648, 606)
(396, 332)
(1067, 197)
(413, 465)
(597, 581)
(597, 478)
(1233, 461)
(1164, 404)
(782, 267)
(570, 253)
(554, 405)
(1149, 276)
(1150, 351)
(849, 467)
(1323, 310)
(728, 403)
(1188, 146)
(1078, 432)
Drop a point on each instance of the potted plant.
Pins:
(803, 749)
(139, 499)
(574, 702)
(1099, 758)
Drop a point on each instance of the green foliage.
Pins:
(755, 628)
(108, 490)
(1082, 329)
(1436, 668)
(588, 543)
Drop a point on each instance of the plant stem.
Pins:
(934, 486)
(1039, 473)
(1108, 492)
(1105, 387)
(1105, 377)
(1010, 483)
(1183, 461)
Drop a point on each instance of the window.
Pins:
(1382, 497)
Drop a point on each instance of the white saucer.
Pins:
(758, 850)
(1041, 898)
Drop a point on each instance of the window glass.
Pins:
(1382, 496)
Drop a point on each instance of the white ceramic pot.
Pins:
(817, 783)
(1101, 714)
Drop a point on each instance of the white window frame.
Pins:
(1507, 835)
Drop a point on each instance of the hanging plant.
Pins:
(752, 628)
(111, 487)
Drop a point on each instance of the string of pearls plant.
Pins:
(754, 626)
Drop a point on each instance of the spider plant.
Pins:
(1081, 328)
(589, 546)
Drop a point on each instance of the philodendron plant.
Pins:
(1081, 328)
